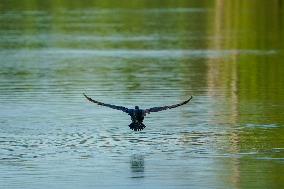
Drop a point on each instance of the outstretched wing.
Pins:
(107, 105)
(157, 109)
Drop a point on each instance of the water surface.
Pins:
(227, 55)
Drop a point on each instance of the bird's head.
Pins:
(136, 107)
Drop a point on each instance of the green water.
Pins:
(227, 54)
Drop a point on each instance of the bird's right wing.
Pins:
(157, 109)
(107, 105)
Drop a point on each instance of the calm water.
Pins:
(228, 55)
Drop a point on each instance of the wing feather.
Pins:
(157, 109)
(107, 105)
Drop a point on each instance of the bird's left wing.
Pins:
(107, 105)
(157, 109)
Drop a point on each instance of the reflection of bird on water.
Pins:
(137, 166)
(137, 115)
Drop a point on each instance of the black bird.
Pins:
(137, 115)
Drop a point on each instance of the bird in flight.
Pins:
(137, 114)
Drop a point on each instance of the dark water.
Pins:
(227, 54)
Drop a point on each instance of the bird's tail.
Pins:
(137, 126)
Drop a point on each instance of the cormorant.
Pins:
(137, 114)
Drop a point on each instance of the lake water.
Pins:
(227, 54)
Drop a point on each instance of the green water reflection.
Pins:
(227, 54)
